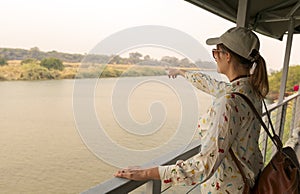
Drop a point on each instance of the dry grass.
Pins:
(33, 71)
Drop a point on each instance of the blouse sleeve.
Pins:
(205, 83)
(215, 147)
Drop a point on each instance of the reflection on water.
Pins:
(41, 150)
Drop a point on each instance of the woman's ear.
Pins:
(228, 57)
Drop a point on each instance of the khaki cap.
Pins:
(240, 40)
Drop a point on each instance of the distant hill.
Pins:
(35, 53)
(134, 58)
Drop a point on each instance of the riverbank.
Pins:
(14, 70)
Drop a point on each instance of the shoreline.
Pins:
(15, 71)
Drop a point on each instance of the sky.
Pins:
(77, 26)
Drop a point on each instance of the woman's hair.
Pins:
(259, 78)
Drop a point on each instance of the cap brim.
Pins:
(213, 41)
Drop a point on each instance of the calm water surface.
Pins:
(41, 150)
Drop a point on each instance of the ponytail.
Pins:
(259, 78)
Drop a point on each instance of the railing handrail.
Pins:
(276, 105)
(118, 185)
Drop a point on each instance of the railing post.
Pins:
(265, 140)
(282, 120)
(293, 123)
(297, 111)
(153, 187)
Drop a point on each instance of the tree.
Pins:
(185, 62)
(171, 61)
(134, 58)
(34, 49)
(116, 59)
(52, 63)
(3, 61)
(293, 79)
(147, 58)
(34, 53)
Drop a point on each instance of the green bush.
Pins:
(110, 73)
(3, 61)
(293, 79)
(52, 63)
(35, 72)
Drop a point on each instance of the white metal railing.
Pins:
(290, 105)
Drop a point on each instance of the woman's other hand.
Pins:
(138, 174)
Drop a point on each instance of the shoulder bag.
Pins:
(281, 174)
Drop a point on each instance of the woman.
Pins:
(229, 122)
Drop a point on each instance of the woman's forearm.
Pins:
(139, 174)
(153, 173)
(182, 72)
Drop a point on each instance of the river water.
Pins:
(41, 146)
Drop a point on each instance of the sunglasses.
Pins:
(217, 51)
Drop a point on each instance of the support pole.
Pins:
(279, 119)
(242, 19)
(286, 60)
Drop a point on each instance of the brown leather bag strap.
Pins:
(275, 138)
(239, 165)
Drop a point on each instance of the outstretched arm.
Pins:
(200, 80)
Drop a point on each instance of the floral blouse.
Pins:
(229, 122)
